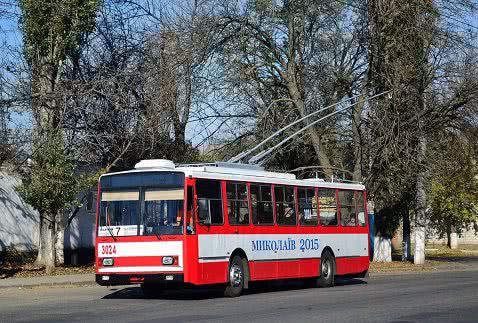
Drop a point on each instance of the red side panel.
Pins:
(288, 268)
(261, 270)
(213, 272)
(351, 265)
(309, 267)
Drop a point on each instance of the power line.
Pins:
(257, 158)
(240, 156)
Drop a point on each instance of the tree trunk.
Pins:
(452, 238)
(295, 81)
(59, 239)
(382, 251)
(314, 136)
(421, 202)
(356, 122)
(407, 248)
(46, 117)
(46, 252)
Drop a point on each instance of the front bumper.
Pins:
(127, 279)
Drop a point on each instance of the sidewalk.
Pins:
(60, 280)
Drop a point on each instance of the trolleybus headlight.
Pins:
(168, 260)
(108, 262)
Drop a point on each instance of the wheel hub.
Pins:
(326, 268)
(235, 275)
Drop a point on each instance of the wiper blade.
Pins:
(110, 230)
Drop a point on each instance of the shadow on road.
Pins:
(202, 293)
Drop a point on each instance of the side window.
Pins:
(189, 210)
(261, 204)
(327, 207)
(237, 205)
(348, 214)
(361, 216)
(210, 200)
(307, 207)
(285, 205)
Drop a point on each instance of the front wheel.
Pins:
(327, 270)
(235, 285)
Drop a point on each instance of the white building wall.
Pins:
(468, 237)
(81, 231)
(18, 221)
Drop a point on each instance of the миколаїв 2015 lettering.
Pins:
(285, 244)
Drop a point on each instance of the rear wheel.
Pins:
(327, 270)
(235, 285)
(152, 290)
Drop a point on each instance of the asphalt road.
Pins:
(419, 297)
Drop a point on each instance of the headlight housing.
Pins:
(108, 262)
(168, 260)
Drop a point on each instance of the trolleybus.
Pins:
(163, 224)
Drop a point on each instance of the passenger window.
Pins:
(360, 208)
(348, 214)
(210, 200)
(237, 205)
(327, 207)
(308, 207)
(261, 204)
(285, 205)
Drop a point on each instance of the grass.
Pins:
(401, 266)
(16, 264)
(437, 256)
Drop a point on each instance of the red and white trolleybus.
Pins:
(224, 223)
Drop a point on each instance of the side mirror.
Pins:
(204, 212)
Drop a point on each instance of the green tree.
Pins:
(52, 29)
(454, 193)
(51, 186)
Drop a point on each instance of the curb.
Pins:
(59, 280)
(52, 284)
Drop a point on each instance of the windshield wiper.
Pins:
(110, 230)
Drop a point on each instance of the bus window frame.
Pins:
(197, 205)
(284, 187)
(247, 200)
(364, 200)
(272, 202)
(354, 205)
(139, 215)
(336, 205)
(306, 188)
(191, 185)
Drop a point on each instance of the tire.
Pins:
(327, 270)
(235, 274)
(152, 290)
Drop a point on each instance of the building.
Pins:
(19, 223)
